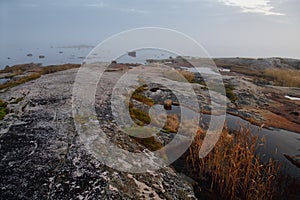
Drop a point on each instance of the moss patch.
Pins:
(35, 70)
(17, 100)
(150, 143)
(141, 98)
(180, 75)
(3, 109)
(230, 94)
(139, 116)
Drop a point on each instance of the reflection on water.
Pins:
(46, 55)
(277, 141)
(3, 80)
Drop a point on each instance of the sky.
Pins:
(225, 28)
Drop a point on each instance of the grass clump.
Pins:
(150, 143)
(20, 81)
(180, 75)
(34, 71)
(138, 96)
(232, 169)
(141, 98)
(172, 124)
(140, 117)
(230, 94)
(283, 77)
(56, 68)
(3, 109)
(17, 100)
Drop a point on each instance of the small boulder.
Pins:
(168, 104)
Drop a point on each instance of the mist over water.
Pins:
(50, 55)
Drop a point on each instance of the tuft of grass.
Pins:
(3, 109)
(172, 124)
(150, 143)
(141, 98)
(17, 100)
(56, 68)
(232, 169)
(37, 70)
(139, 116)
(230, 94)
(19, 81)
(180, 75)
(283, 77)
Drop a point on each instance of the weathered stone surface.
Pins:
(41, 156)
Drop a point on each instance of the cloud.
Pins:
(116, 8)
(253, 6)
(133, 10)
(98, 5)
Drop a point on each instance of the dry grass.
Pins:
(284, 77)
(141, 98)
(246, 71)
(180, 75)
(35, 71)
(20, 81)
(172, 124)
(232, 169)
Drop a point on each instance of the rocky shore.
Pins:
(41, 156)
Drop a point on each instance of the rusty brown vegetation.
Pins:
(31, 72)
(284, 77)
(233, 170)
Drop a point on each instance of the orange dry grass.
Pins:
(284, 77)
(172, 123)
(232, 168)
(180, 75)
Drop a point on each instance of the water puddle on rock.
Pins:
(277, 141)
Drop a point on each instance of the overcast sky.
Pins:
(249, 28)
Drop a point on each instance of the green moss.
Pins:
(150, 143)
(3, 109)
(17, 100)
(39, 70)
(56, 68)
(230, 94)
(19, 81)
(141, 116)
(141, 98)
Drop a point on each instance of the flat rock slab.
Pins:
(41, 156)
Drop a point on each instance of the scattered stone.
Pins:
(132, 54)
(168, 104)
